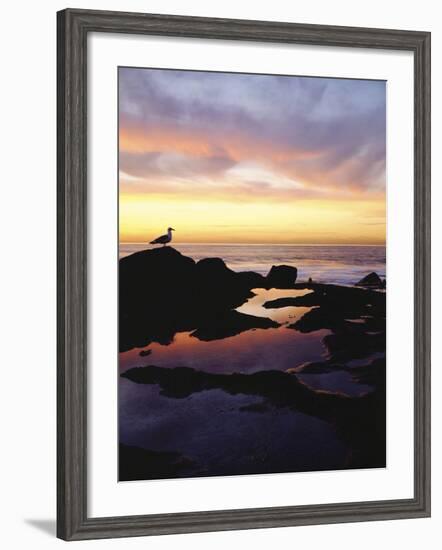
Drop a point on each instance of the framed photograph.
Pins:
(243, 274)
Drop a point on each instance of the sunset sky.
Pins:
(239, 158)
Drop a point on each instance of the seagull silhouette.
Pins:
(164, 239)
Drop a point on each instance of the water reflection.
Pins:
(337, 381)
(225, 434)
(259, 349)
(279, 348)
(282, 315)
(213, 430)
(251, 351)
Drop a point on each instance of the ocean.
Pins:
(338, 264)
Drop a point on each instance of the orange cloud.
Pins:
(237, 146)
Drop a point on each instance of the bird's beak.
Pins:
(172, 229)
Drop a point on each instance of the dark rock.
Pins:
(279, 388)
(137, 463)
(145, 352)
(251, 279)
(355, 316)
(372, 280)
(343, 298)
(281, 276)
(162, 292)
(218, 287)
(214, 269)
(333, 306)
(345, 346)
(318, 367)
(373, 374)
(345, 320)
(152, 295)
(231, 323)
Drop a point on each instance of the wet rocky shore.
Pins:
(163, 293)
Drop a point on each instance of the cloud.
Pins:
(170, 163)
(265, 136)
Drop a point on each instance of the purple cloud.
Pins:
(323, 132)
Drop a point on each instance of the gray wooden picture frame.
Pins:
(73, 28)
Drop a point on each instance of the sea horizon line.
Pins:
(256, 244)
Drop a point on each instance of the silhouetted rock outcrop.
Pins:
(372, 280)
(162, 292)
(230, 323)
(252, 279)
(356, 318)
(346, 345)
(137, 463)
(279, 388)
(282, 276)
(347, 300)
